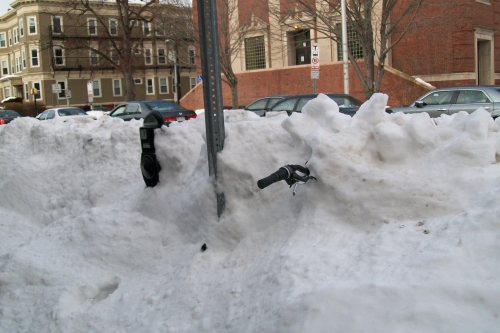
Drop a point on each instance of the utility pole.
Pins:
(345, 51)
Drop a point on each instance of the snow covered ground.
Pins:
(401, 232)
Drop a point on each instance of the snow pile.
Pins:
(399, 233)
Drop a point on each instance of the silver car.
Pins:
(455, 99)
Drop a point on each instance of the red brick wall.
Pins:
(296, 80)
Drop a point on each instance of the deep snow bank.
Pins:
(399, 233)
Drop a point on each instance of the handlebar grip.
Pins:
(281, 174)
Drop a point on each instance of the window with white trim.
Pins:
(18, 63)
(38, 87)
(146, 26)
(32, 25)
(163, 84)
(15, 32)
(12, 66)
(114, 56)
(117, 87)
(34, 58)
(24, 58)
(5, 67)
(10, 37)
(92, 26)
(138, 81)
(21, 27)
(192, 83)
(96, 88)
(159, 28)
(147, 57)
(62, 84)
(6, 92)
(150, 90)
(162, 58)
(3, 41)
(113, 27)
(58, 56)
(174, 88)
(26, 92)
(94, 58)
(57, 24)
(192, 58)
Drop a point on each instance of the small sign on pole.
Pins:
(56, 88)
(90, 91)
(314, 75)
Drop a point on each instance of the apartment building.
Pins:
(42, 46)
(461, 47)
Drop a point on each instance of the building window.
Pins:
(94, 58)
(113, 27)
(92, 26)
(146, 27)
(115, 57)
(58, 56)
(192, 57)
(162, 59)
(10, 37)
(12, 66)
(159, 28)
(147, 57)
(62, 84)
(38, 86)
(174, 88)
(18, 64)
(96, 88)
(192, 83)
(7, 92)
(24, 58)
(21, 27)
(3, 42)
(57, 24)
(137, 81)
(15, 32)
(149, 87)
(163, 83)
(117, 87)
(26, 92)
(32, 25)
(353, 45)
(255, 53)
(5, 67)
(34, 58)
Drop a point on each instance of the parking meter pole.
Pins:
(314, 86)
(212, 88)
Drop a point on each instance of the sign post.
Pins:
(56, 89)
(90, 92)
(34, 92)
(314, 64)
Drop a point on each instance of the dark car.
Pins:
(347, 104)
(140, 109)
(6, 116)
(455, 99)
(264, 104)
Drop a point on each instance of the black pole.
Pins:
(212, 87)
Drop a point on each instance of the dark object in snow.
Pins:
(203, 247)
(292, 174)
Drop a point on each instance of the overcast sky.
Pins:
(4, 4)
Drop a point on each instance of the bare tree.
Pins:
(375, 27)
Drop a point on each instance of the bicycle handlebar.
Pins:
(287, 173)
(281, 174)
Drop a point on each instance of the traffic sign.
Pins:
(315, 75)
(56, 88)
(67, 93)
(90, 91)
(314, 57)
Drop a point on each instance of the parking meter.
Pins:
(150, 167)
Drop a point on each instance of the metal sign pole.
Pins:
(212, 88)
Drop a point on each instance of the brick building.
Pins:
(464, 48)
(34, 53)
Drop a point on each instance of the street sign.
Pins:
(56, 88)
(315, 75)
(199, 78)
(67, 93)
(90, 91)
(314, 57)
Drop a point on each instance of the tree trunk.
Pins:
(128, 83)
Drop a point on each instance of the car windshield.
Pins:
(163, 106)
(9, 114)
(71, 112)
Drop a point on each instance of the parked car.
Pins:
(455, 99)
(65, 113)
(264, 104)
(6, 116)
(347, 104)
(101, 108)
(140, 109)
